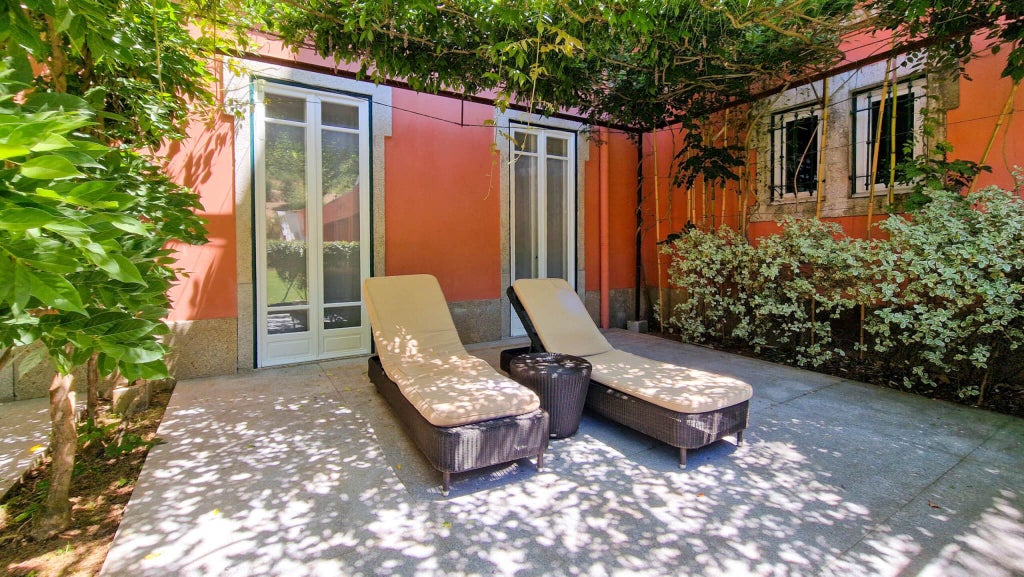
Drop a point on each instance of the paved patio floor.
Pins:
(305, 471)
(24, 434)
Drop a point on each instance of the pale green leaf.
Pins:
(50, 167)
(12, 150)
(21, 219)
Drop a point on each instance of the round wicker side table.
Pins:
(560, 381)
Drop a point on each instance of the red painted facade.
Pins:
(442, 208)
(971, 127)
(442, 191)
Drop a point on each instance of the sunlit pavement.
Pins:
(305, 471)
(24, 434)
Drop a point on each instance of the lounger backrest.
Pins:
(559, 317)
(410, 319)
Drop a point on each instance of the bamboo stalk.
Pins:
(892, 142)
(725, 142)
(689, 204)
(694, 193)
(1007, 108)
(821, 148)
(671, 208)
(657, 229)
(871, 187)
(877, 146)
(704, 180)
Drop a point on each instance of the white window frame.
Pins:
(569, 221)
(778, 152)
(863, 139)
(316, 343)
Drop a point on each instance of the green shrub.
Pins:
(709, 266)
(784, 293)
(802, 281)
(951, 291)
(943, 295)
(288, 258)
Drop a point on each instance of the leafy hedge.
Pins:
(943, 296)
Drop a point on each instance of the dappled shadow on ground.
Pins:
(305, 471)
(24, 430)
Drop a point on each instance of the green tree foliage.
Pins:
(133, 61)
(936, 172)
(641, 63)
(85, 220)
(83, 267)
(951, 24)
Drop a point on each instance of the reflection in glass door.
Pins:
(543, 211)
(312, 225)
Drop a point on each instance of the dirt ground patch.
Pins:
(102, 484)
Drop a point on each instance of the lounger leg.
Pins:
(446, 482)
(739, 438)
(682, 458)
(540, 462)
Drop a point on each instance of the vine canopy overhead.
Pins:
(642, 63)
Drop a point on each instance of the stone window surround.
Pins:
(238, 76)
(778, 142)
(838, 198)
(862, 139)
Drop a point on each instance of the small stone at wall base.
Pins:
(162, 385)
(637, 326)
(131, 400)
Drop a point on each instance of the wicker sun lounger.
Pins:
(682, 407)
(460, 412)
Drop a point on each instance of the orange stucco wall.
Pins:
(970, 126)
(442, 191)
(205, 162)
(621, 213)
(705, 204)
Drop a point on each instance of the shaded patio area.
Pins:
(305, 471)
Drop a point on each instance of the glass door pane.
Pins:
(542, 207)
(285, 211)
(557, 237)
(525, 209)
(342, 273)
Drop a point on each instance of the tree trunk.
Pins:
(56, 513)
(58, 60)
(92, 390)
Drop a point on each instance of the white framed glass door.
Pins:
(312, 223)
(543, 206)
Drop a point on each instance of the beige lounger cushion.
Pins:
(670, 386)
(420, 350)
(564, 326)
(559, 317)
